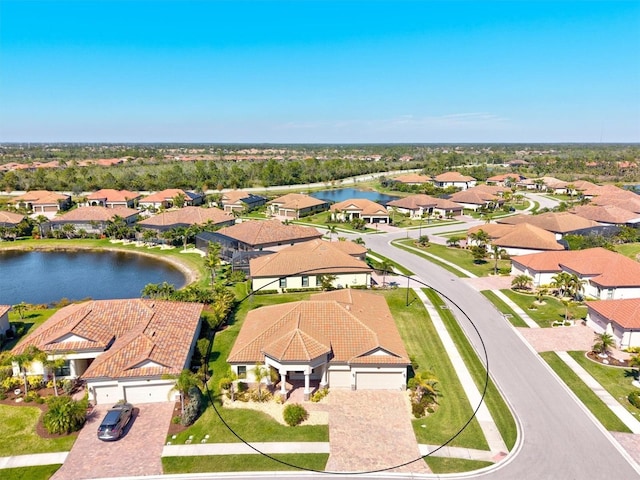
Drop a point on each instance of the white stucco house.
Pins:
(120, 348)
(344, 339)
(620, 318)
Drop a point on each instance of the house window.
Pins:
(609, 293)
(283, 282)
(64, 370)
(305, 280)
(242, 371)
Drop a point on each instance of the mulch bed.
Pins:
(175, 428)
(609, 360)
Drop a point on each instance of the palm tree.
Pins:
(454, 241)
(25, 359)
(425, 383)
(331, 229)
(20, 308)
(603, 342)
(184, 381)
(40, 221)
(521, 282)
(53, 364)
(634, 362)
(575, 285)
(260, 372)
(561, 281)
(212, 260)
(498, 253)
(386, 266)
(480, 237)
(69, 230)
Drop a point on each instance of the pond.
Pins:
(46, 277)
(342, 194)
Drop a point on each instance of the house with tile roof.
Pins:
(554, 185)
(454, 179)
(43, 201)
(296, 205)
(301, 265)
(607, 275)
(559, 223)
(518, 239)
(417, 206)
(619, 317)
(370, 212)
(413, 179)
(120, 348)
(187, 216)
(92, 220)
(506, 179)
(630, 201)
(476, 199)
(239, 201)
(110, 198)
(166, 199)
(607, 214)
(344, 339)
(4, 319)
(10, 219)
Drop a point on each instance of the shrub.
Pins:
(319, 394)
(242, 386)
(31, 396)
(34, 381)
(67, 386)
(176, 419)
(193, 409)
(634, 399)
(237, 276)
(294, 414)
(5, 372)
(203, 346)
(224, 383)
(65, 415)
(11, 383)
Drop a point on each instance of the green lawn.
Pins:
(493, 399)
(440, 465)
(596, 406)
(396, 266)
(424, 345)
(505, 309)
(630, 250)
(244, 463)
(31, 320)
(615, 380)
(551, 311)
(405, 244)
(42, 472)
(19, 435)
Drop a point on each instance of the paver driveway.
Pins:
(371, 430)
(136, 453)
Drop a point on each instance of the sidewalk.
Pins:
(33, 460)
(521, 313)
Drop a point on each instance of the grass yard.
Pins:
(615, 380)
(407, 244)
(544, 315)
(19, 435)
(630, 250)
(31, 320)
(41, 472)
(440, 465)
(596, 406)
(493, 399)
(375, 260)
(505, 309)
(244, 463)
(424, 345)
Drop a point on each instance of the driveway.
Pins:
(371, 430)
(559, 339)
(137, 453)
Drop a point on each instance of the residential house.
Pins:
(167, 198)
(518, 239)
(619, 318)
(345, 339)
(4, 319)
(296, 205)
(506, 179)
(301, 265)
(122, 349)
(560, 223)
(43, 201)
(629, 201)
(92, 220)
(370, 212)
(497, 190)
(554, 185)
(607, 214)
(475, 199)
(413, 179)
(454, 179)
(607, 275)
(110, 198)
(10, 219)
(186, 217)
(239, 201)
(420, 205)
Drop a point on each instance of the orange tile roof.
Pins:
(94, 214)
(453, 177)
(235, 196)
(350, 248)
(349, 324)
(624, 312)
(492, 189)
(297, 201)
(557, 222)
(112, 195)
(631, 203)
(583, 185)
(516, 177)
(528, 236)
(129, 332)
(267, 232)
(366, 207)
(473, 197)
(413, 178)
(414, 202)
(552, 182)
(165, 195)
(40, 197)
(4, 309)
(187, 216)
(606, 214)
(10, 217)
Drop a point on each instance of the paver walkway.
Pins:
(137, 453)
(371, 430)
(559, 339)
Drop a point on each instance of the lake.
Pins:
(46, 277)
(338, 195)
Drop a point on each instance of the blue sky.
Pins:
(319, 71)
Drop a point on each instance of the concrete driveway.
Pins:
(137, 453)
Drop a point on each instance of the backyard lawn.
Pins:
(552, 310)
(31, 320)
(630, 250)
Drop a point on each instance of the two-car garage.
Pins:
(368, 378)
(132, 392)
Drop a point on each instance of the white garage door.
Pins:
(107, 394)
(339, 379)
(148, 393)
(379, 381)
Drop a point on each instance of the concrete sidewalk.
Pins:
(32, 460)
(244, 449)
(521, 313)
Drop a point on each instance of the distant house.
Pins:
(239, 201)
(296, 205)
(413, 179)
(187, 216)
(43, 201)
(110, 198)
(506, 179)
(553, 185)
(518, 239)
(167, 198)
(560, 223)
(607, 214)
(300, 265)
(475, 200)
(10, 219)
(420, 205)
(497, 190)
(620, 318)
(345, 339)
(4, 319)
(370, 212)
(454, 179)
(92, 219)
(630, 202)
(123, 349)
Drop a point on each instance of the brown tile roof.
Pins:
(268, 232)
(552, 182)
(492, 189)
(349, 324)
(516, 177)
(350, 248)
(473, 197)
(39, 197)
(453, 177)
(4, 309)
(297, 201)
(413, 178)
(528, 236)
(10, 217)
(130, 332)
(165, 195)
(367, 207)
(631, 203)
(315, 257)
(234, 196)
(624, 312)
(557, 222)
(414, 202)
(187, 216)
(94, 214)
(583, 185)
(494, 230)
(606, 214)
(112, 195)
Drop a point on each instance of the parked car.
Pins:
(115, 421)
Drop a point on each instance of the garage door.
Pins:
(148, 393)
(339, 379)
(107, 394)
(379, 381)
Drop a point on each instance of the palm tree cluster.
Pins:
(424, 394)
(568, 284)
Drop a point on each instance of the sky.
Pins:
(319, 71)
